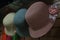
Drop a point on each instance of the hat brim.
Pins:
(22, 33)
(9, 33)
(40, 32)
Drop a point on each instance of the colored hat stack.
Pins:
(20, 23)
(34, 22)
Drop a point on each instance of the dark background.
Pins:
(5, 2)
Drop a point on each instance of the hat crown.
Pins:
(37, 15)
(8, 19)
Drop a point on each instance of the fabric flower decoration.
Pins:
(53, 10)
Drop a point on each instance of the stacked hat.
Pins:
(8, 37)
(8, 24)
(37, 17)
(20, 23)
(15, 37)
(3, 34)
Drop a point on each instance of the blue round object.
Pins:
(20, 23)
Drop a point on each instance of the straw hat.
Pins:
(8, 24)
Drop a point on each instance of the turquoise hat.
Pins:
(20, 23)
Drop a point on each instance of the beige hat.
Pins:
(37, 17)
(8, 24)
